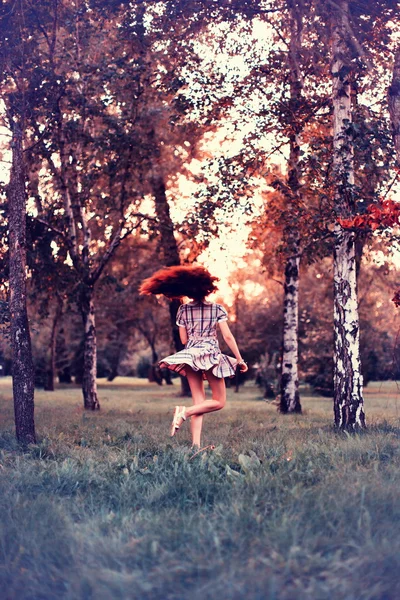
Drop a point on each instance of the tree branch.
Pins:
(57, 231)
(353, 37)
(115, 242)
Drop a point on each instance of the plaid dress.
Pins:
(202, 351)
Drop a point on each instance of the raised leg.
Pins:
(201, 405)
(195, 379)
(218, 401)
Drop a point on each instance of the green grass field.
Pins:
(106, 506)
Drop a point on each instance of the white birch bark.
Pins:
(348, 385)
(89, 384)
(290, 398)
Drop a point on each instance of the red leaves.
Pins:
(385, 214)
(382, 215)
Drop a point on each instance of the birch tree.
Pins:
(290, 398)
(348, 384)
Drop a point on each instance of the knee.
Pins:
(221, 403)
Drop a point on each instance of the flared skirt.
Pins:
(201, 355)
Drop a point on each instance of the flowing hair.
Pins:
(176, 282)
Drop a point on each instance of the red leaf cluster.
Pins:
(384, 214)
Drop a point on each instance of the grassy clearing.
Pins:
(106, 506)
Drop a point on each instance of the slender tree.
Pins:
(348, 386)
(290, 398)
(17, 53)
(22, 370)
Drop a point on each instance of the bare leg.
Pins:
(201, 405)
(219, 397)
(195, 379)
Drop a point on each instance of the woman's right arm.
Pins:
(183, 334)
(181, 322)
(232, 345)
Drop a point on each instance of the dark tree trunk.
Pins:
(115, 363)
(290, 397)
(168, 252)
(167, 246)
(348, 384)
(63, 359)
(394, 104)
(166, 375)
(89, 385)
(113, 373)
(155, 371)
(64, 376)
(22, 371)
(49, 384)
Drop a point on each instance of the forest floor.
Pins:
(106, 506)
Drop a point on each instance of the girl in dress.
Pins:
(201, 358)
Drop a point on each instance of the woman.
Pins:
(202, 358)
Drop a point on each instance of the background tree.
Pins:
(91, 193)
(16, 57)
(394, 102)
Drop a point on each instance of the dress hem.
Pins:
(180, 368)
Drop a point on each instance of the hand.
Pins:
(243, 366)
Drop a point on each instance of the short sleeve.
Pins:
(180, 317)
(222, 315)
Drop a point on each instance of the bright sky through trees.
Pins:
(232, 54)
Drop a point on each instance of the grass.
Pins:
(106, 506)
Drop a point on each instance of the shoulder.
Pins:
(220, 307)
(184, 308)
(222, 314)
(181, 315)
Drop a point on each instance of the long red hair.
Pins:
(176, 282)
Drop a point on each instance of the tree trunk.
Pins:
(63, 358)
(155, 371)
(116, 360)
(348, 385)
(167, 246)
(49, 384)
(89, 385)
(394, 104)
(22, 371)
(168, 252)
(290, 397)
